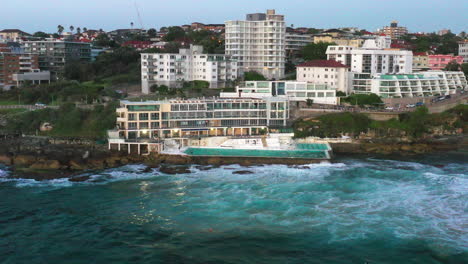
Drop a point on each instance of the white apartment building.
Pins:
(292, 90)
(328, 72)
(143, 126)
(295, 42)
(172, 69)
(258, 43)
(463, 50)
(421, 84)
(372, 59)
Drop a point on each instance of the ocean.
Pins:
(355, 210)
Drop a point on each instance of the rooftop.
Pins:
(13, 31)
(323, 63)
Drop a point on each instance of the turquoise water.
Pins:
(358, 210)
(314, 146)
(216, 152)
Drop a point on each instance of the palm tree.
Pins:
(85, 29)
(78, 30)
(72, 28)
(131, 24)
(60, 29)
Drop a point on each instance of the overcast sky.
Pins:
(417, 15)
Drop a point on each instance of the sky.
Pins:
(417, 15)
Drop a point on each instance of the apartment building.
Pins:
(463, 50)
(210, 27)
(394, 31)
(54, 53)
(294, 91)
(295, 42)
(258, 43)
(172, 69)
(420, 61)
(421, 84)
(372, 59)
(12, 35)
(439, 62)
(328, 72)
(15, 68)
(145, 124)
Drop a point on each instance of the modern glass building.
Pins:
(422, 84)
(150, 122)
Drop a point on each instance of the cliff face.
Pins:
(391, 146)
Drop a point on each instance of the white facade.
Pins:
(372, 59)
(195, 117)
(191, 64)
(335, 77)
(293, 90)
(463, 50)
(421, 84)
(295, 41)
(258, 43)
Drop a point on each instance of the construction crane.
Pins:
(138, 13)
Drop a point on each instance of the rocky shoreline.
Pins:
(43, 161)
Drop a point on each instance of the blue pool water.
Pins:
(358, 210)
(218, 152)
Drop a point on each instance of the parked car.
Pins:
(410, 105)
(419, 104)
(389, 108)
(448, 96)
(40, 105)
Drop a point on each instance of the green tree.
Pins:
(315, 51)
(60, 29)
(363, 99)
(417, 121)
(452, 66)
(152, 32)
(102, 40)
(40, 34)
(174, 33)
(464, 68)
(172, 47)
(314, 31)
(254, 76)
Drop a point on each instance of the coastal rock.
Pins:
(46, 165)
(407, 148)
(77, 165)
(79, 179)
(97, 164)
(215, 161)
(177, 159)
(174, 169)
(113, 161)
(243, 172)
(146, 170)
(24, 160)
(6, 159)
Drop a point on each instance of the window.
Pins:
(143, 116)
(154, 116)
